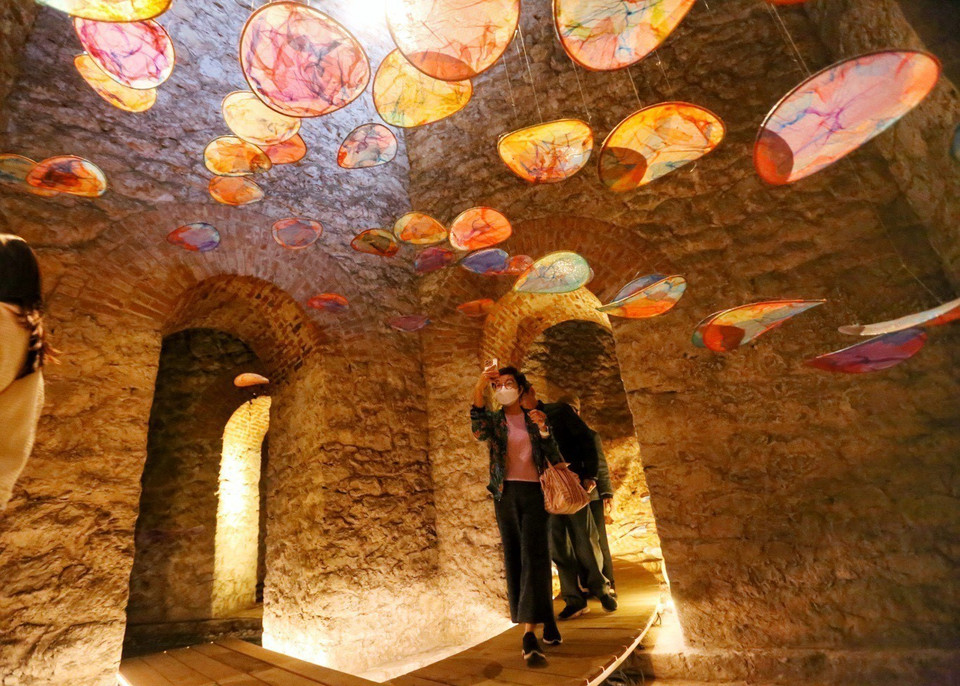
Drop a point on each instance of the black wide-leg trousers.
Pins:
(524, 530)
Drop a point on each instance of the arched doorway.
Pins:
(200, 534)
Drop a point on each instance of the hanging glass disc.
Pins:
(547, 153)
(301, 62)
(433, 259)
(376, 242)
(406, 97)
(288, 152)
(655, 141)
(453, 40)
(369, 145)
(235, 190)
(492, 261)
(648, 298)
(120, 96)
(942, 314)
(256, 123)
(873, 355)
(837, 110)
(558, 272)
(478, 228)
(409, 323)
(476, 308)
(231, 156)
(328, 302)
(14, 170)
(602, 35)
(196, 237)
(296, 233)
(728, 330)
(69, 174)
(419, 229)
(137, 54)
(110, 10)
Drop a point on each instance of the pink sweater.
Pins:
(520, 465)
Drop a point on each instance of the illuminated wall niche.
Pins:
(238, 509)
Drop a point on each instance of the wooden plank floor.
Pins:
(593, 645)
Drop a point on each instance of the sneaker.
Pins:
(609, 603)
(532, 652)
(572, 610)
(551, 635)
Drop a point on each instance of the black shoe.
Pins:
(572, 610)
(532, 652)
(551, 635)
(609, 603)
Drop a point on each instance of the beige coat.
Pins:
(21, 401)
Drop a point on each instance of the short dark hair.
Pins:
(518, 376)
(20, 285)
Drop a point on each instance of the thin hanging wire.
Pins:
(533, 85)
(513, 100)
(629, 74)
(785, 33)
(656, 53)
(583, 99)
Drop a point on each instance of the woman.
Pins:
(22, 353)
(520, 446)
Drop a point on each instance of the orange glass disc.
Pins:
(376, 242)
(231, 156)
(69, 174)
(476, 308)
(288, 152)
(300, 61)
(138, 54)
(14, 170)
(406, 97)
(478, 228)
(419, 229)
(655, 141)
(256, 123)
(118, 95)
(235, 190)
(328, 302)
(110, 10)
(547, 153)
(453, 40)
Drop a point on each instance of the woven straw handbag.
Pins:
(562, 492)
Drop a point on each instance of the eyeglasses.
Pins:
(509, 383)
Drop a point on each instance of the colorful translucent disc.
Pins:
(198, 237)
(110, 10)
(409, 323)
(453, 40)
(648, 298)
(612, 34)
(491, 262)
(479, 227)
(419, 229)
(118, 95)
(300, 61)
(296, 233)
(376, 242)
(249, 379)
(138, 54)
(837, 110)
(936, 316)
(14, 170)
(558, 272)
(406, 97)
(231, 156)
(476, 308)
(517, 265)
(369, 145)
(328, 302)
(235, 190)
(873, 355)
(729, 329)
(69, 174)
(256, 123)
(288, 152)
(433, 259)
(547, 153)
(656, 140)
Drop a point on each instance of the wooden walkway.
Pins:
(593, 646)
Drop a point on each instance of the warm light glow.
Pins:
(238, 509)
(358, 14)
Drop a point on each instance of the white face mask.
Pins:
(506, 396)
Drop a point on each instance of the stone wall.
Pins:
(173, 571)
(795, 508)
(16, 19)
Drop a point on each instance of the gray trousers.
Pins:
(596, 508)
(575, 546)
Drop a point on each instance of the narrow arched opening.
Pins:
(200, 536)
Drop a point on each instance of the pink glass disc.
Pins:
(409, 323)
(197, 237)
(138, 54)
(837, 110)
(873, 355)
(369, 145)
(300, 61)
(296, 233)
(433, 259)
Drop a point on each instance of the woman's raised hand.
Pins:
(490, 371)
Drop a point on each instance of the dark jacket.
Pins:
(492, 427)
(604, 487)
(573, 438)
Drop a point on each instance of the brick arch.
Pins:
(519, 318)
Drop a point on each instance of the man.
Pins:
(574, 542)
